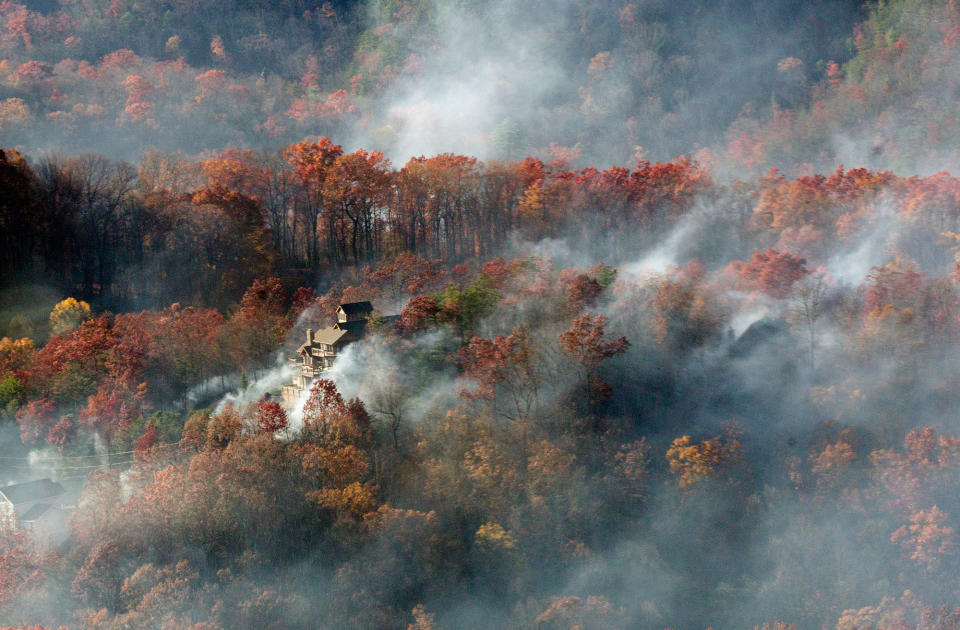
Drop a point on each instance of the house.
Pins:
(354, 312)
(322, 347)
(35, 505)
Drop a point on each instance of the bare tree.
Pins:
(389, 400)
(808, 305)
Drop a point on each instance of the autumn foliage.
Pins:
(709, 391)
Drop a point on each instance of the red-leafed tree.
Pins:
(326, 415)
(898, 282)
(21, 567)
(406, 274)
(418, 314)
(261, 323)
(271, 417)
(771, 272)
(587, 344)
(506, 368)
(303, 298)
(115, 405)
(35, 419)
(68, 365)
(149, 439)
(62, 432)
(586, 341)
(581, 290)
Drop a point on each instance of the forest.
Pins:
(709, 388)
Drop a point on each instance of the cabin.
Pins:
(354, 312)
(35, 505)
(321, 348)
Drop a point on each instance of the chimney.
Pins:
(309, 336)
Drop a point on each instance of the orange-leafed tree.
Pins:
(686, 312)
(929, 540)
(312, 162)
(357, 188)
(692, 463)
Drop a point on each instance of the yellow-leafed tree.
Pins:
(68, 314)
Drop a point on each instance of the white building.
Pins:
(35, 505)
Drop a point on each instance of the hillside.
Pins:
(715, 386)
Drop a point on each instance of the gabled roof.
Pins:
(356, 328)
(32, 491)
(35, 512)
(767, 332)
(357, 309)
(328, 335)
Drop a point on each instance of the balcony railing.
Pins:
(312, 371)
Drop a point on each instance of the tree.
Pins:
(591, 613)
(358, 187)
(771, 272)
(464, 307)
(19, 210)
(260, 324)
(581, 290)
(35, 419)
(21, 567)
(114, 406)
(94, 199)
(149, 439)
(685, 310)
(312, 162)
(68, 314)
(586, 342)
(70, 366)
(302, 299)
(831, 464)
(271, 417)
(62, 432)
(406, 274)
(694, 462)
(929, 541)
(98, 581)
(508, 366)
(11, 396)
(418, 314)
(329, 417)
(809, 304)
(15, 354)
(389, 399)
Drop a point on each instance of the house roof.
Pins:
(329, 335)
(356, 328)
(32, 491)
(357, 309)
(760, 333)
(35, 512)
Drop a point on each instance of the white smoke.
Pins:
(269, 383)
